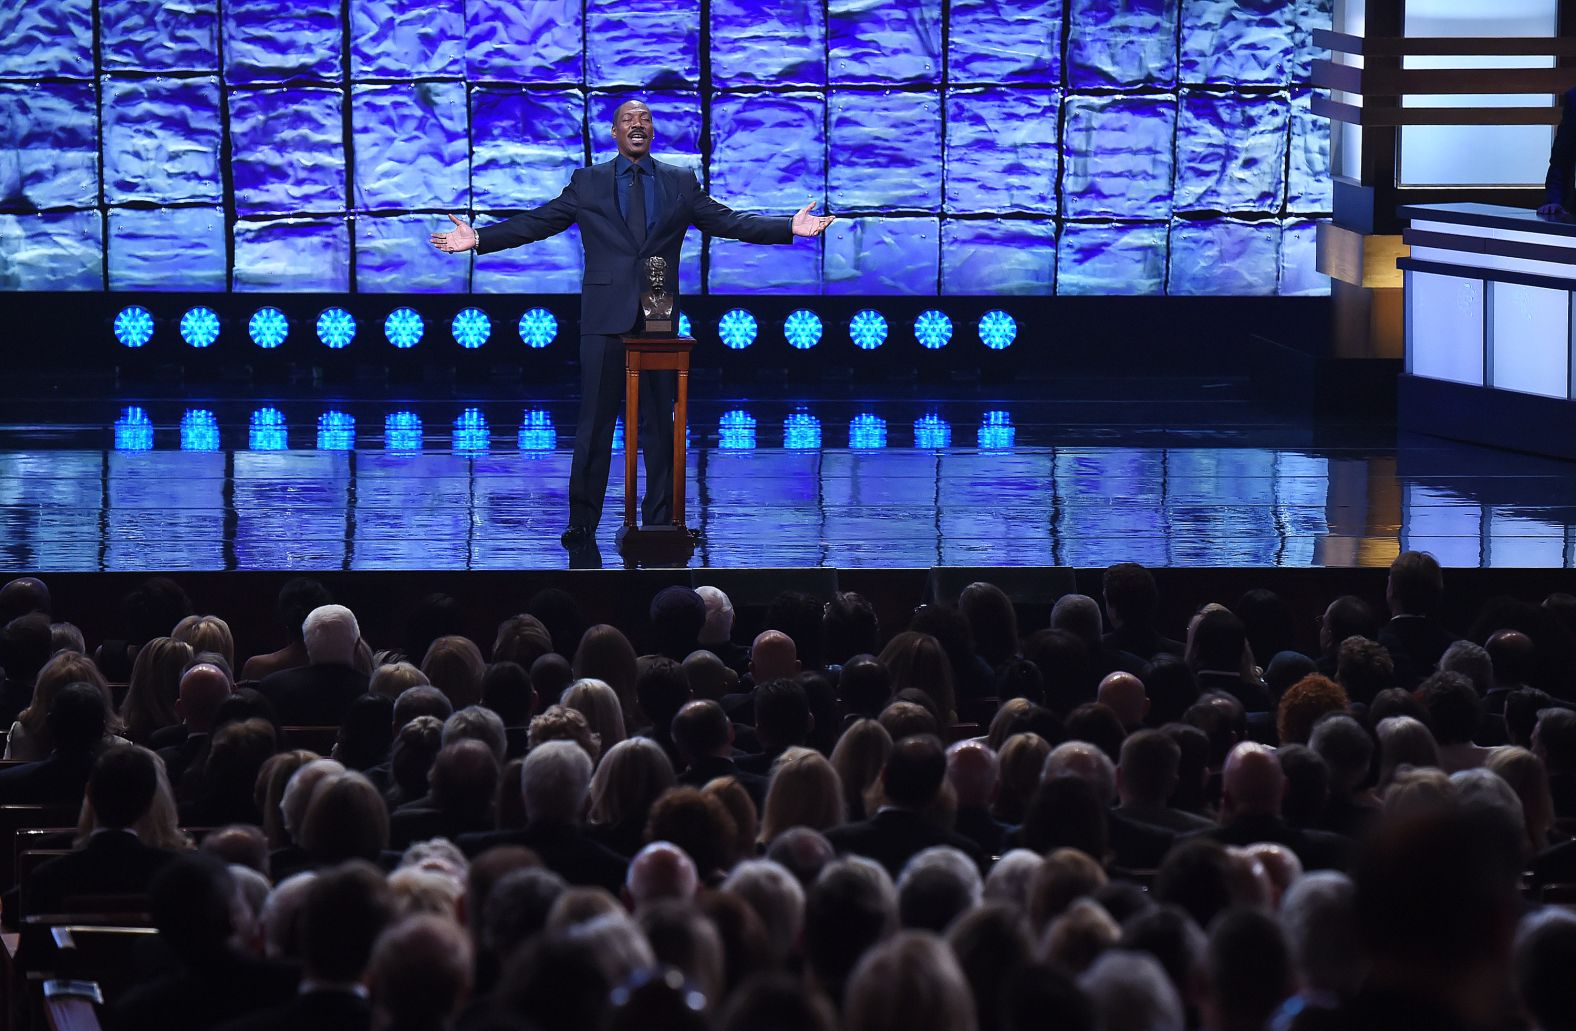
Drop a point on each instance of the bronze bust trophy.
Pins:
(657, 301)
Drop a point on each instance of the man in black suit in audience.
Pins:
(1135, 845)
(460, 790)
(24, 649)
(974, 771)
(1145, 778)
(1131, 603)
(901, 827)
(1414, 637)
(1250, 811)
(76, 724)
(319, 693)
(782, 721)
(704, 738)
(203, 689)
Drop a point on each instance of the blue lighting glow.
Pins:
(802, 432)
(336, 431)
(268, 328)
(867, 432)
(932, 432)
(997, 329)
(736, 431)
(200, 326)
(404, 327)
(802, 329)
(471, 434)
(684, 325)
(471, 328)
(537, 432)
(932, 329)
(996, 432)
(267, 431)
(868, 329)
(134, 326)
(336, 328)
(618, 434)
(538, 327)
(199, 430)
(402, 431)
(736, 329)
(133, 430)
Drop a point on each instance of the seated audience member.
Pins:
(858, 757)
(1319, 913)
(1134, 845)
(366, 733)
(112, 860)
(319, 693)
(1066, 813)
(804, 791)
(521, 639)
(420, 974)
(1348, 752)
(1404, 742)
(1192, 791)
(1414, 636)
(904, 719)
(802, 852)
(598, 703)
(974, 772)
(1525, 774)
(454, 665)
(561, 723)
(459, 799)
(1252, 791)
(773, 656)
(410, 759)
(716, 634)
(700, 823)
(1545, 954)
(1303, 703)
(777, 899)
(660, 872)
(203, 688)
(605, 654)
(26, 643)
(918, 661)
(1454, 713)
(1219, 644)
(149, 704)
(552, 675)
(1363, 668)
(29, 738)
(1022, 758)
(972, 677)
(851, 907)
(1147, 777)
(297, 599)
(1079, 615)
(75, 728)
(703, 738)
(910, 781)
(709, 677)
(1249, 971)
(214, 978)
(850, 628)
(239, 844)
(782, 721)
(1124, 694)
(207, 634)
(477, 723)
(1512, 662)
(1307, 785)
(1171, 687)
(393, 679)
(909, 982)
(345, 910)
(345, 819)
(627, 783)
(1285, 669)
(661, 690)
(746, 840)
(226, 789)
(1554, 741)
(678, 616)
(1131, 990)
(1132, 604)
(555, 780)
(1098, 725)
(864, 687)
(992, 620)
(1345, 617)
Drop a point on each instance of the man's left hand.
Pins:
(806, 224)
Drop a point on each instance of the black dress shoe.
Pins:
(576, 536)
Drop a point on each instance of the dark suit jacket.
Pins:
(312, 1011)
(980, 827)
(567, 851)
(1145, 644)
(1254, 696)
(109, 863)
(610, 286)
(720, 766)
(893, 836)
(57, 780)
(1318, 850)
(1562, 157)
(1415, 643)
(1177, 821)
(230, 986)
(421, 820)
(314, 696)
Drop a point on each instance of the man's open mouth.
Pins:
(636, 136)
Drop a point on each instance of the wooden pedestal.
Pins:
(656, 545)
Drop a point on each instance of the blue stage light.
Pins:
(802, 329)
(402, 431)
(737, 329)
(268, 328)
(736, 431)
(336, 328)
(199, 430)
(997, 329)
(802, 432)
(867, 329)
(996, 432)
(932, 432)
(538, 327)
(336, 431)
(684, 325)
(404, 327)
(932, 329)
(537, 432)
(471, 434)
(618, 433)
(133, 430)
(867, 432)
(134, 326)
(471, 328)
(267, 431)
(200, 326)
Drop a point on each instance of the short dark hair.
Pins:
(366, 732)
(1454, 708)
(914, 771)
(1042, 994)
(346, 908)
(700, 729)
(1545, 955)
(464, 777)
(25, 645)
(662, 688)
(1416, 582)
(1349, 616)
(1130, 593)
(849, 626)
(422, 700)
(122, 784)
(1066, 812)
(799, 615)
(76, 717)
(1149, 764)
(1196, 875)
(297, 599)
(842, 919)
(1218, 640)
(782, 711)
(677, 616)
(1250, 967)
(864, 686)
(1307, 784)
(189, 900)
(507, 691)
(1099, 725)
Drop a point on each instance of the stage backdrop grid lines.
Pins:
(973, 146)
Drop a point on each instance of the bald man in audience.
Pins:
(22, 596)
(773, 657)
(974, 771)
(1252, 789)
(660, 871)
(1124, 694)
(1513, 655)
(203, 689)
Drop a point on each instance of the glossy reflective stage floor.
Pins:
(131, 484)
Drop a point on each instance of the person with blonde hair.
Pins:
(598, 703)
(455, 666)
(346, 819)
(857, 759)
(561, 723)
(29, 738)
(804, 791)
(1022, 758)
(1526, 775)
(909, 982)
(746, 820)
(393, 679)
(158, 826)
(154, 686)
(207, 634)
(629, 780)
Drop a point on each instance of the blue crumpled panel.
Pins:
(675, 121)
(1119, 157)
(882, 256)
(749, 268)
(1121, 42)
(272, 40)
(690, 280)
(55, 250)
(1237, 42)
(394, 255)
(882, 41)
(1005, 41)
(150, 35)
(1299, 273)
(161, 140)
(167, 249)
(1231, 151)
(307, 254)
(1307, 16)
(1001, 150)
(1095, 258)
(1309, 186)
(524, 144)
(287, 150)
(411, 146)
(46, 37)
(768, 150)
(48, 146)
(535, 41)
(1004, 256)
(406, 39)
(767, 43)
(548, 266)
(1224, 256)
(643, 43)
(885, 151)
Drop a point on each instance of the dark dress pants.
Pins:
(601, 402)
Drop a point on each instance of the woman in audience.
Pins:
(993, 622)
(1302, 705)
(228, 789)
(1526, 775)
(598, 703)
(746, 821)
(804, 791)
(154, 686)
(454, 666)
(1022, 758)
(346, 819)
(1001, 724)
(415, 747)
(605, 654)
(207, 634)
(269, 793)
(29, 738)
(857, 759)
(918, 660)
(1403, 741)
(629, 780)
(561, 723)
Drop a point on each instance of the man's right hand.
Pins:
(1553, 211)
(461, 238)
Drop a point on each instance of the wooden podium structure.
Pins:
(656, 545)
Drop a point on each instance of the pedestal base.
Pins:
(662, 546)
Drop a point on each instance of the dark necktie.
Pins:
(635, 210)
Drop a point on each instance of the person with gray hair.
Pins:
(1009, 880)
(851, 907)
(1348, 751)
(1131, 992)
(911, 982)
(476, 723)
(1473, 662)
(1086, 762)
(1319, 914)
(319, 693)
(777, 899)
(803, 852)
(280, 919)
(1543, 960)
(555, 781)
(937, 885)
(1134, 844)
(1481, 790)
(660, 871)
(517, 909)
(716, 634)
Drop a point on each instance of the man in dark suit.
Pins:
(1250, 811)
(76, 725)
(1561, 181)
(319, 693)
(974, 771)
(910, 782)
(704, 738)
(1145, 778)
(621, 226)
(1413, 637)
